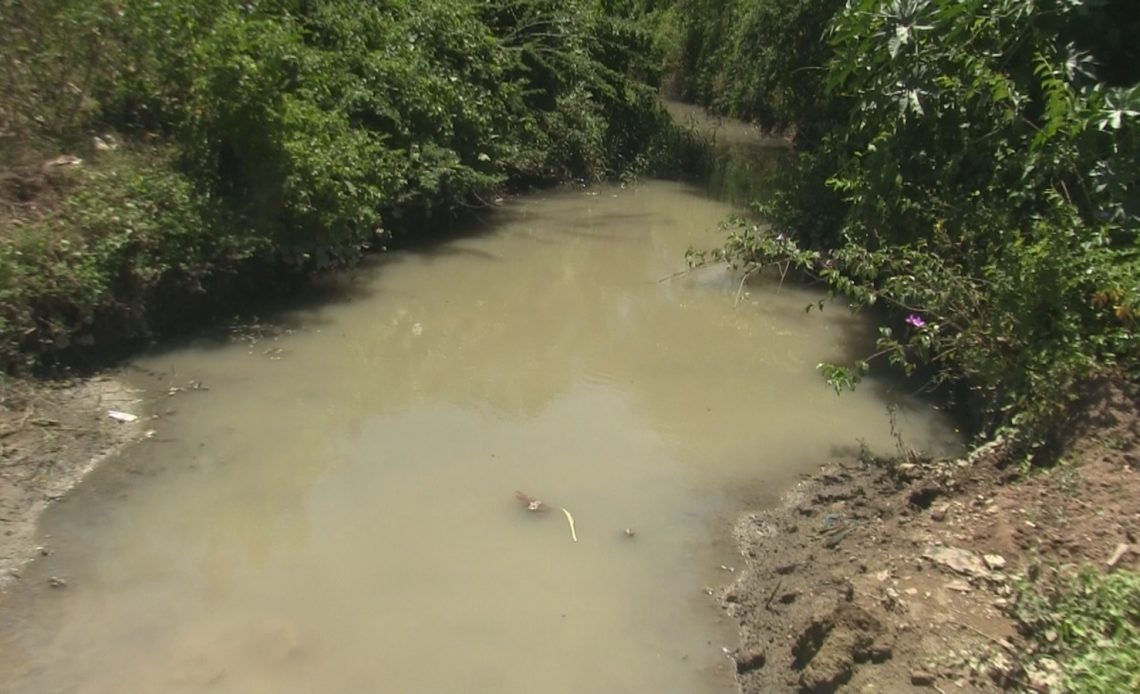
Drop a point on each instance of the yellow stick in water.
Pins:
(570, 518)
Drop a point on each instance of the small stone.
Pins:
(891, 598)
(57, 582)
(938, 513)
(959, 560)
(107, 143)
(921, 678)
(1045, 676)
(959, 585)
(62, 160)
(995, 562)
(751, 659)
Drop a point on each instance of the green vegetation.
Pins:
(1092, 624)
(287, 134)
(972, 169)
(760, 61)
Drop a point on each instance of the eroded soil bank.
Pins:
(51, 435)
(892, 576)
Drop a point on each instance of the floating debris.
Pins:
(570, 519)
(531, 503)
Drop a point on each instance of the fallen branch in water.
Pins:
(570, 518)
(743, 279)
(675, 275)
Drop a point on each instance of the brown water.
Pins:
(336, 512)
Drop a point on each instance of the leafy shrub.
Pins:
(983, 187)
(132, 230)
(761, 61)
(301, 133)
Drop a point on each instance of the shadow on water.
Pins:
(742, 174)
(744, 164)
(745, 168)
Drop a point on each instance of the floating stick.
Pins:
(570, 518)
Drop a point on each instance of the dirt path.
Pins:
(51, 435)
(899, 576)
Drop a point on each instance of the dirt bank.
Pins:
(898, 576)
(51, 435)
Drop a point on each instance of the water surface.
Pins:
(333, 509)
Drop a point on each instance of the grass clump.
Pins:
(1090, 623)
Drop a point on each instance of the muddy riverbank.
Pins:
(52, 434)
(901, 574)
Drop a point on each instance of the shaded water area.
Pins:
(334, 511)
(745, 163)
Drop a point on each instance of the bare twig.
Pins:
(999, 642)
(675, 275)
(772, 596)
(740, 290)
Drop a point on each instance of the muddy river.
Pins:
(328, 500)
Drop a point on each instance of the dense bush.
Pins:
(299, 132)
(982, 185)
(131, 231)
(760, 61)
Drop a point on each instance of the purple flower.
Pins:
(915, 320)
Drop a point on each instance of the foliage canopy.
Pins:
(291, 133)
(973, 168)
